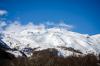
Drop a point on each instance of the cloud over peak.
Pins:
(17, 26)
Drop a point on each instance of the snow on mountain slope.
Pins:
(44, 38)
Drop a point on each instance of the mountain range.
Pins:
(66, 42)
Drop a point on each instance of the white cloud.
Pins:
(50, 23)
(2, 24)
(59, 25)
(17, 27)
(3, 12)
(66, 26)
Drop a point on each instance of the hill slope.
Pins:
(64, 41)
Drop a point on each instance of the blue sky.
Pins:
(84, 15)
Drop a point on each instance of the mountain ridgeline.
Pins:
(49, 47)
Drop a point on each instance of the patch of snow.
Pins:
(15, 53)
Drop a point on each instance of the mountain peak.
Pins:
(52, 38)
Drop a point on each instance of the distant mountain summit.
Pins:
(64, 41)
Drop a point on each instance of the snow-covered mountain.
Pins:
(64, 41)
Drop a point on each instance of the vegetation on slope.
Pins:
(49, 57)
